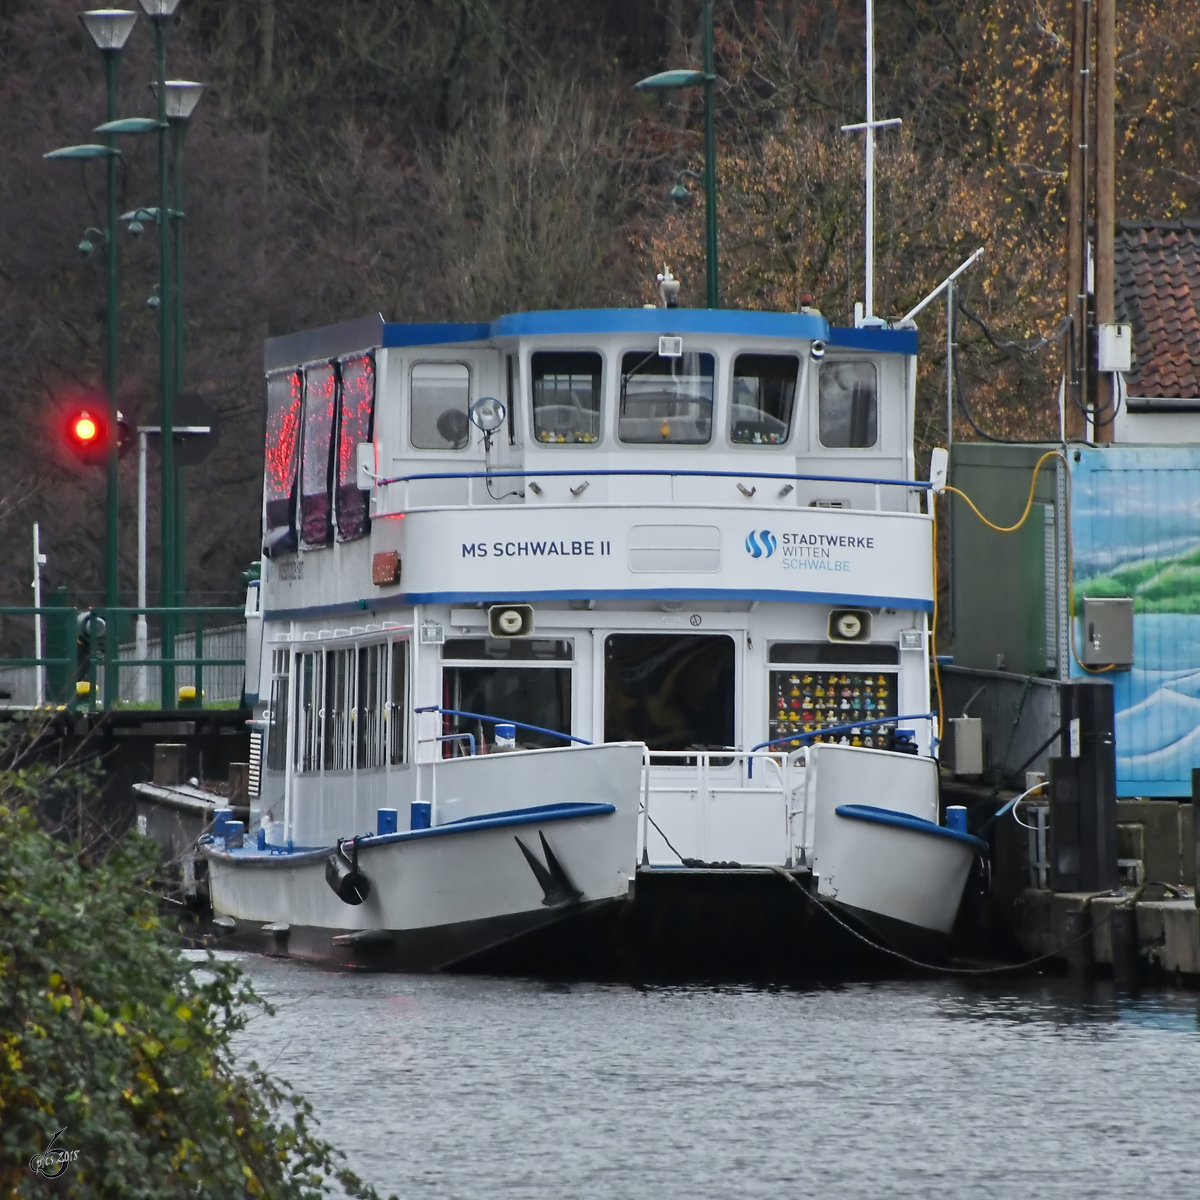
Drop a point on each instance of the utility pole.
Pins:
(1074, 366)
(1106, 199)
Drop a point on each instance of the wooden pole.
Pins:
(1076, 391)
(1106, 70)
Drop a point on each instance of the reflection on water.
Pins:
(462, 1087)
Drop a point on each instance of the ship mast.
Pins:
(868, 127)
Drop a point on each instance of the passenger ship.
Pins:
(593, 641)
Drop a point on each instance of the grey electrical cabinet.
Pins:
(1107, 631)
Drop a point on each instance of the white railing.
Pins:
(711, 807)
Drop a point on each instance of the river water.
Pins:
(444, 1086)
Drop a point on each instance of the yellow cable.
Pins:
(1028, 502)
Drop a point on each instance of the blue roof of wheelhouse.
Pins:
(364, 333)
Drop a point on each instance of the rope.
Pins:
(957, 971)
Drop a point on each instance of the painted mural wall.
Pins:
(1135, 527)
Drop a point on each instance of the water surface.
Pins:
(482, 1088)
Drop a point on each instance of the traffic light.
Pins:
(87, 432)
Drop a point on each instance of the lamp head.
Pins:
(159, 9)
(487, 414)
(679, 191)
(182, 97)
(109, 28)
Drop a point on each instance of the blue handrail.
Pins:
(911, 483)
(814, 733)
(458, 712)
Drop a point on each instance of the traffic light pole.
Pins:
(167, 439)
(112, 563)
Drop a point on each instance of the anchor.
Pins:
(557, 887)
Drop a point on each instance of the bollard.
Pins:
(387, 820)
(420, 814)
(956, 817)
(235, 835)
(220, 821)
(506, 736)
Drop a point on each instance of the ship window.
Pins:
(836, 653)
(371, 710)
(277, 733)
(486, 649)
(439, 398)
(764, 393)
(671, 691)
(398, 702)
(532, 694)
(316, 475)
(566, 397)
(848, 405)
(285, 401)
(666, 400)
(358, 410)
(803, 700)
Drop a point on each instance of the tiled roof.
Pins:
(1158, 293)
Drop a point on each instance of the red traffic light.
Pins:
(87, 431)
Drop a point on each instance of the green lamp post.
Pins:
(160, 13)
(670, 80)
(182, 97)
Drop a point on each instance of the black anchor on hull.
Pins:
(556, 885)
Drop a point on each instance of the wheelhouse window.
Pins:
(671, 691)
(666, 400)
(439, 399)
(848, 405)
(764, 395)
(566, 397)
(505, 679)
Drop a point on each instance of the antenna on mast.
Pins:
(868, 127)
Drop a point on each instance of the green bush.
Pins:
(107, 1030)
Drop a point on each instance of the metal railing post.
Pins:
(198, 654)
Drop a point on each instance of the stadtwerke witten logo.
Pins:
(760, 543)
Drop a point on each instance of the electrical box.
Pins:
(1114, 349)
(962, 746)
(1108, 632)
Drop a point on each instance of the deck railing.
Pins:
(83, 661)
(921, 485)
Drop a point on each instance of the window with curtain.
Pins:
(316, 459)
(764, 393)
(356, 425)
(285, 401)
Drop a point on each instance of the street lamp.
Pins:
(670, 80)
(109, 29)
(182, 97)
(160, 13)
